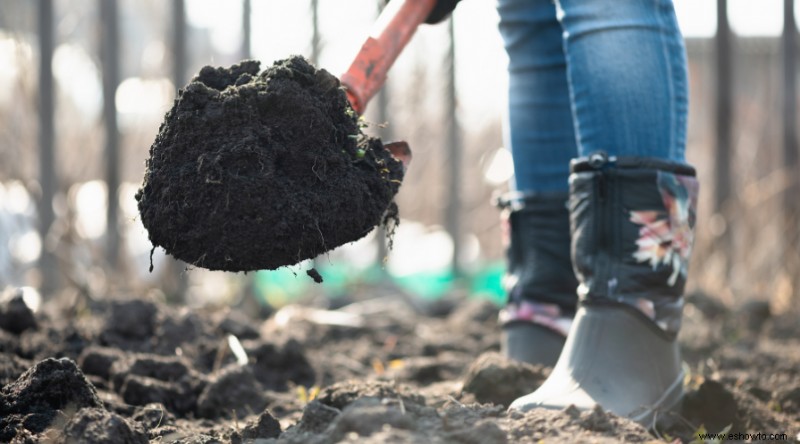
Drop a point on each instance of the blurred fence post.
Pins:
(48, 265)
(247, 32)
(791, 202)
(179, 43)
(109, 43)
(453, 196)
(789, 49)
(385, 133)
(315, 38)
(721, 162)
(724, 105)
(178, 282)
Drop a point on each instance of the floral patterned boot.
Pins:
(540, 282)
(632, 222)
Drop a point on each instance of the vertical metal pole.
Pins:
(109, 19)
(315, 38)
(724, 107)
(453, 207)
(791, 206)
(247, 33)
(179, 78)
(179, 43)
(382, 108)
(789, 49)
(47, 171)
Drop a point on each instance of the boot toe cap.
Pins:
(553, 397)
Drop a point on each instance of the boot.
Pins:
(632, 223)
(539, 282)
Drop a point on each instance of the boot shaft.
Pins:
(632, 223)
(537, 241)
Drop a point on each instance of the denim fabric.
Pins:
(591, 75)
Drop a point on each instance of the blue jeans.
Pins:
(590, 75)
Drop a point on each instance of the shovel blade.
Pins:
(400, 151)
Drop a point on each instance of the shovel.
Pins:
(391, 33)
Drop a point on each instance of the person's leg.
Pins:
(627, 77)
(628, 83)
(539, 132)
(632, 210)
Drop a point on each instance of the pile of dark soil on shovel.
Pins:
(257, 170)
(379, 368)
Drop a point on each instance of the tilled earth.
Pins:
(368, 369)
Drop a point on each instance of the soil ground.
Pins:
(375, 367)
(257, 170)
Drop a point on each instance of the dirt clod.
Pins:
(317, 417)
(235, 389)
(257, 170)
(34, 400)
(98, 426)
(130, 320)
(276, 365)
(98, 361)
(152, 416)
(369, 415)
(483, 432)
(496, 379)
(342, 394)
(712, 405)
(146, 379)
(264, 427)
(314, 274)
(15, 315)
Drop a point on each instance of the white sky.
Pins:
(281, 28)
(342, 21)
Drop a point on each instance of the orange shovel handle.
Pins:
(393, 30)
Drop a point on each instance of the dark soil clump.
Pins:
(33, 401)
(314, 274)
(265, 427)
(712, 404)
(234, 388)
(98, 426)
(493, 378)
(257, 170)
(15, 315)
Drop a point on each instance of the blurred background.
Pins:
(84, 85)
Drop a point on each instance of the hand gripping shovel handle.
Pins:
(393, 29)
